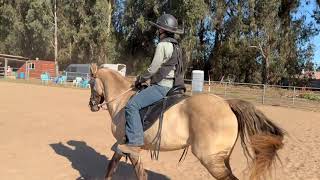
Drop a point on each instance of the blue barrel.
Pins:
(21, 75)
(17, 75)
(197, 80)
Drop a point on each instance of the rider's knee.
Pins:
(132, 106)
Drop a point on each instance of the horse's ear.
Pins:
(93, 69)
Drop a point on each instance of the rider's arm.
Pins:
(157, 61)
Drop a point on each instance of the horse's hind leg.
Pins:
(213, 151)
(217, 164)
(112, 167)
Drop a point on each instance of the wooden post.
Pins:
(263, 94)
(5, 67)
(209, 82)
(225, 89)
(294, 95)
(27, 70)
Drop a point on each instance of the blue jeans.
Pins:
(144, 98)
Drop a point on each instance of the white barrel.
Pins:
(197, 80)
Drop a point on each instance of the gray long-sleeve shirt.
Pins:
(163, 53)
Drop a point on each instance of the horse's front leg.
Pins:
(138, 167)
(112, 167)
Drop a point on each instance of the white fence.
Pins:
(286, 96)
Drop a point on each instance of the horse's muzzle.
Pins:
(94, 107)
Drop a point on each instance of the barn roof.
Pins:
(12, 57)
(35, 60)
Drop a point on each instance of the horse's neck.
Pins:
(119, 104)
(116, 107)
(116, 90)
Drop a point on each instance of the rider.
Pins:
(165, 71)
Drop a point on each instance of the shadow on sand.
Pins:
(92, 165)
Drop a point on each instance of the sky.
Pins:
(307, 9)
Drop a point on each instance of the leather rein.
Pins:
(113, 99)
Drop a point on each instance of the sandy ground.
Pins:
(50, 133)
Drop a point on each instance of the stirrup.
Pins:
(116, 150)
(132, 155)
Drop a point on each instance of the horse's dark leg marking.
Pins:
(138, 168)
(112, 167)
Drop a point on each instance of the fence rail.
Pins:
(286, 96)
(73, 75)
(2, 71)
(10, 73)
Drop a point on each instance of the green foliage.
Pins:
(310, 96)
(25, 28)
(83, 32)
(280, 44)
(252, 41)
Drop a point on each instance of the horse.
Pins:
(208, 124)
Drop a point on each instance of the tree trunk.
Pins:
(265, 71)
(215, 57)
(265, 77)
(56, 39)
(110, 4)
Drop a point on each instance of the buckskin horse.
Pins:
(207, 123)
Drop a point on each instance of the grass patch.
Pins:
(310, 96)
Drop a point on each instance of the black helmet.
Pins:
(168, 23)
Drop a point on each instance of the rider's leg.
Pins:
(134, 129)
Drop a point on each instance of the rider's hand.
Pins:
(138, 83)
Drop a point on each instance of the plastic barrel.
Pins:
(21, 75)
(197, 80)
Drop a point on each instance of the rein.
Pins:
(117, 97)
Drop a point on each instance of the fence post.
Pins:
(263, 94)
(26, 71)
(5, 67)
(209, 83)
(294, 94)
(225, 90)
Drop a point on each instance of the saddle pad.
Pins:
(150, 114)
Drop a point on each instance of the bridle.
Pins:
(102, 102)
(113, 99)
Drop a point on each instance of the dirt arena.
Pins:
(49, 133)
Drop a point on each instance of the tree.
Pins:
(247, 41)
(27, 30)
(138, 37)
(11, 28)
(86, 32)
